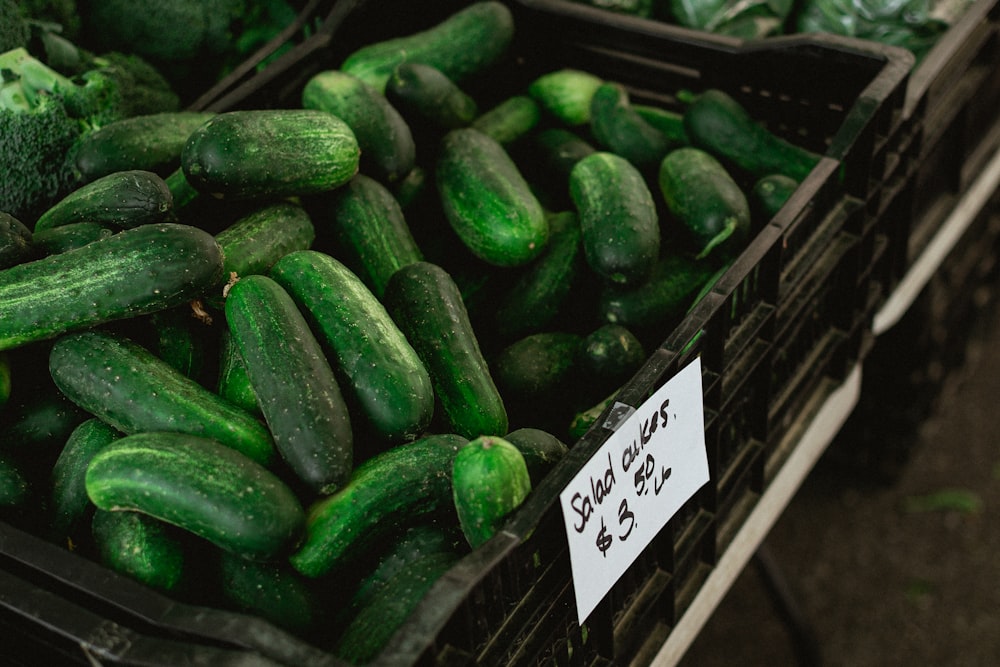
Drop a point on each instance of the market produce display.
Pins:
(305, 336)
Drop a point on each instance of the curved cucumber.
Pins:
(489, 481)
(68, 495)
(124, 199)
(140, 547)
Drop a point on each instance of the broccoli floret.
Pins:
(14, 30)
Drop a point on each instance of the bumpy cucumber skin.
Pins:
(124, 199)
(131, 389)
(385, 493)
(139, 546)
(769, 194)
(426, 304)
(68, 495)
(370, 352)
(388, 151)
(257, 153)
(566, 94)
(257, 240)
(295, 386)
(271, 590)
(15, 241)
(424, 92)
(618, 219)
(622, 130)
(463, 44)
(370, 231)
(131, 273)
(487, 200)
(489, 481)
(510, 119)
(532, 367)
(541, 450)
(201, 486)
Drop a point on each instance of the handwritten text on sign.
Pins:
(649, 467)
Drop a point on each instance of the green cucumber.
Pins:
(769, 194)
(369, 231)
(131, 273)
(181, 339)
(566, 94)
(122, 200)
(719, 124)
(253, 243)
(618, 218)
(424, 301)
(510, 119)
(367, 349)
(489, 481)
(701, 194)
(15, 241)
(295, 386)
(140, 547)
(386, 492)
(620, 129)
(487, 201)
(548, 157)
(463, 44)
(424, 93)
(611, 355)
(670, 123)
(124, 384)
(271, 590)
(258, 153)
(152, 142)
(388, 151)
(233, 383)
(201, 486)
(540, 449)
(64, 238)
(68, 499)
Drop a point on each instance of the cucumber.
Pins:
(670, 123)
(424, 301)
(151, 142)
(131, 273)
(258, 153)
(486, 200)
(233, 383)
(369, 352)
(618, 219)
(489, 481)
(768, 195)
(369, 231)
(701, 194)
(201, 486)
(510, 119)
(566, 94)
(611, 354)
(253, 243)
(64, 238)
(386, 492)
(271, 590)
(15, 241)
(465, 43)
(620, 129)
(140, 547)
(295, 386)
(540, 449)
(547, 158)
(425, 94)
(717, 123)
(121, 200)
(68, 499)
(388, 151)
(121, 382)
(182, 340)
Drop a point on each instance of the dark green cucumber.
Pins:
(295, 386)
(124, 384)
(259, 153)
(253, 243)
(131, 273)
(152, 142)
(121, 200)
(463, 44)
(201, 486)
(611, 355)
(566, 94)
(769, 194)
(388, 151)
(547, 158)
(510, 119)
(540, 449)
(701, 194)
(385, 493)
(426, 304)
(487, 201)
(68, 495)
(489, 480)
(717, 123)
(618, 219)
(271, 590)
(538, 367)
(140, 547)
(64, 238)
(15, 241)
(620, 129)
(670, 123)
(181, 339)
(233, 383)
(370, 231)
(425, 94)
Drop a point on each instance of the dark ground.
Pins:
(892, 544)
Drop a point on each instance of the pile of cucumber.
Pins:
(299, 361)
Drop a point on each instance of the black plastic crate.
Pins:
(511, 601)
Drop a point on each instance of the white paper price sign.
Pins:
(649, 467)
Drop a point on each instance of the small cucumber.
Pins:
(182, 339)
(140, 547)
(618, 219)
(15, 241)
(201, 486)
(271, 590)
(719, 124)
(620, 129)
(131, 273)
(487, 201)
(258, 153)
(701, 194)
(510, 119)
(121, 200)
(424, 301)
(541, 450)
(463, 44)
(124, 384)
(489, 481)
(369, 352)
(566, 94)
(425, 94)
(385, 493)
(295, 386)
(611, 354)
(388, 151)
(68, 495)
(769, 194)
(253, 243)
(233, 383)
(670, 123)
